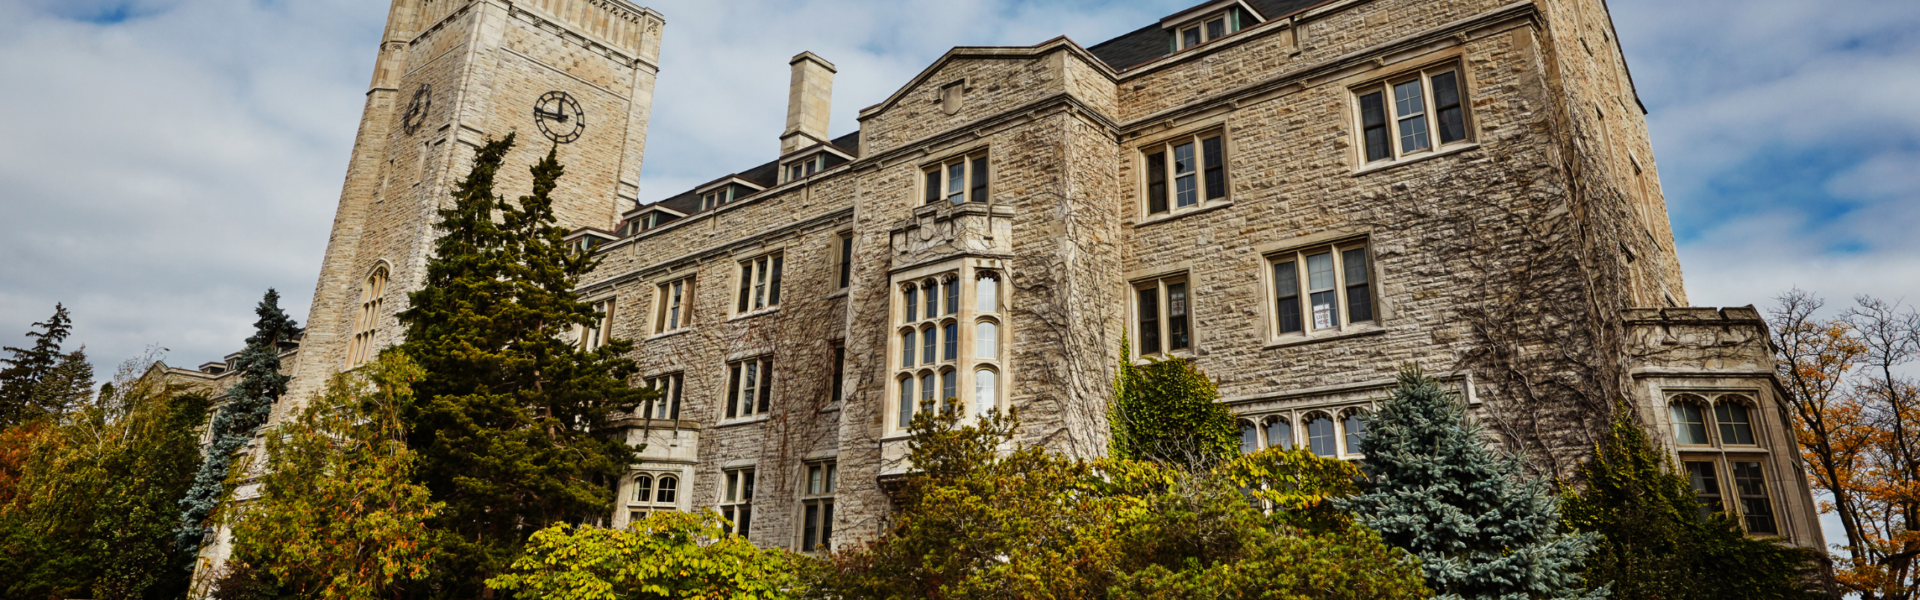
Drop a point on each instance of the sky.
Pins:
(164, 162)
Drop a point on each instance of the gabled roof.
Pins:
(1148, 44)
(760, 177)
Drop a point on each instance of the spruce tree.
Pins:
(21, 396)
(249, 404)
(1654, 543)
(1481, 528)
(512, 420)
(1167, 411)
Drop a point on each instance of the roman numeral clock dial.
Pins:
(559, 117)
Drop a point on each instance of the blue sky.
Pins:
(163, 162)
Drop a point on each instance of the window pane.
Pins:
(1373, 125)
(926, 388)
(1149, 310)
(673, 408)
(668, 487)
(846, 261)
(933, 186)
(957, 183)
(1735, 427)
(809, 527)
(766, 384)
(1216, 29)
(642, 488)
(1190, 38)
(1286, 291)
(979, 193)
(927, 345)
(1177, 321)
(987, 294)
(986, 391)
(1215, 154)
(759, 284)
(1689, 424)
(1320, 281)
(1407, 99)
(1446, 99)
(826, 525)
(733, 392)
(1356, 429)
(930, 299)
(912, 295)
(1185, 192)
(1156, 183)
(1320, 437)
(949, 386)
(1359, 294)
(906, 402)
(986, 340)
(1756, 509)
(1249, 438)
(773, 297)
(1706, 487)
(953, 294)
(746, 285)
(950, 341)
(907, 348)
(1279, 434)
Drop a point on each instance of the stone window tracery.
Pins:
(947, 350)
(366, 323)
(1723, 455)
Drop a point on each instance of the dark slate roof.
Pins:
(766, 175)
(1148, 44)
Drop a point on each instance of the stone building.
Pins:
(1299, 195)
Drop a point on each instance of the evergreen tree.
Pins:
(1654, 543)
(21, 396)
(1481, 528)
(512, 419)
(1168, 411)
(248, 405)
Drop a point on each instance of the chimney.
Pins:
(809, 103)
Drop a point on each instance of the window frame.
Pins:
(759, 290)
(642, 508)
(756, 386)
(366, 322)
(1204, 178)
(815, 510)
(803, 168)
(736, 500)
(1303, 291)
(843, 260)
(1163, 317)
(1230, 23)
(717, 198)
(936, 183)
(665, 320)
(954, 368)
(670, 399)
(1429, 115)
(1724, 457)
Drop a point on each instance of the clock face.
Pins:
(559, 117)
(416, 114)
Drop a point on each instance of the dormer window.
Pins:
(806, 167)
(717, 198)
(1226, 18)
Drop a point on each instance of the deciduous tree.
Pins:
(669, 555)
(1168, 411)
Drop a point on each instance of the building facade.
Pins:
(1301, 196)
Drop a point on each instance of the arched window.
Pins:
(986, 340)
(950, 341)
(928, 345)
(951, 287)
(1355, 429)
(910, 293)
(669, 485)
(366, 323)
(643, 488)
(930, 293)
(987, 293)
(926, 388)
(907, 348)
(906, 401)
(1736, 426)
(949, 386)
(1249, 438)
(1320, 436)
(1689, 421)
(986, 390)
(1279, 434)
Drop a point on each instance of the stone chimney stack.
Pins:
(809, 103)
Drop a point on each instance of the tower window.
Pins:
(366, 323)
(1728, 468)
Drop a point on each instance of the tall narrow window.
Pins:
(1356, 428)
(1338, 289)
(749, 387)
(958, 181)
(986, 391)
(1755, 508)
(1426, 107)
(986, 340)
(930, 298)
(675, 306)
(736, 501)
(912, 293)
(816, 506)
(643, 489)
(366, 323)
(846, 260)
(667, 406)
(950, 341)
(949, 386)
(1197, 167)
(907, 348)
(838, 385)
(1163, 309)
(906, 402)
(760, 283)
(596, 335)
(927, 390)
(1148, 308)
(987, 293)
(951, 288)
(928, 344)
(1249, 438)
(1178, 338)
(1321, 438)
(1706, 487)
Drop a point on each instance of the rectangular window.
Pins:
(1162, 309)
(595, 336)
(717, 198)
(839, 372)
(1756, 509)
(1706, 487)
(676, 306)
(667, 406)
(749, 387)
(958, 180)
(806, 168)
(1206, 29)
(1197, 167)
(816, 506)
(1339, 289)
(736, 501)
(846, 260)
(760, 283)
(1413, 114)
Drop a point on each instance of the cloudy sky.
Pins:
(163, 162)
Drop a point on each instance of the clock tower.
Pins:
(571, 75)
